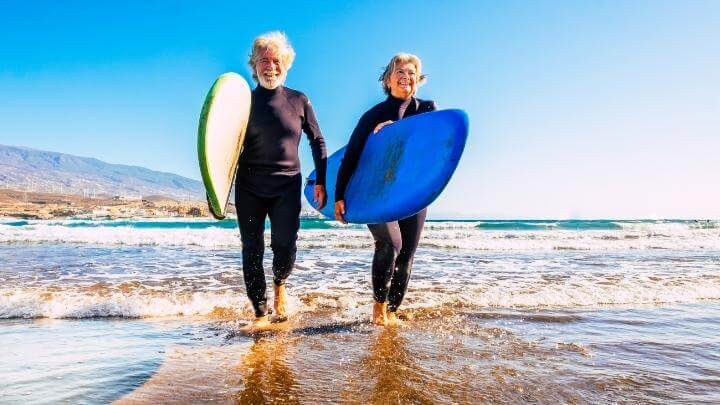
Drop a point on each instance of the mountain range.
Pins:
(35, 170)
(42, 171)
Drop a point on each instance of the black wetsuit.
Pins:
(268, 183)
(395, 242)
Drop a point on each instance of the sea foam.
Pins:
(464, 235)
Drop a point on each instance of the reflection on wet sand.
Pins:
(254, 372)
(388, 373)
(191, 375)
(435, 358)
(266, 375)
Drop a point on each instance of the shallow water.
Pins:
(147, 311)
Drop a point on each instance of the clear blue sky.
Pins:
(578, 108)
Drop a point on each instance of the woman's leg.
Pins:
(410, 230)
(388, 244)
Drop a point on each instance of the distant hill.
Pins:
(52, 172)
(36, 170)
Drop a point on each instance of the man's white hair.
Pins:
(276, 41)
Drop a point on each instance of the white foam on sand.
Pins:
(345, 290)
(39, 303)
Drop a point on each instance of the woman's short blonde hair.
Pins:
(276, 41)
(399, 59)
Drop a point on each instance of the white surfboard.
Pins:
(221, 132)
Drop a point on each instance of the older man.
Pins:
(268, 181)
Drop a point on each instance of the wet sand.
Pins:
(442, 356)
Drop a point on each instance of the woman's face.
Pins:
(269, 69)
(403, 81)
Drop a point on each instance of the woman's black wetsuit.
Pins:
(268, 183)
(395, 242)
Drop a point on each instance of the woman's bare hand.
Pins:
(380, 126)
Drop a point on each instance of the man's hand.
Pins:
(319, 197)
(340, 211)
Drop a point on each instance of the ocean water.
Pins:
(499, 311)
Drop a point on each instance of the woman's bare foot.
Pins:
(379, 313)
(280, 302)
(392, 319)
(259, 324)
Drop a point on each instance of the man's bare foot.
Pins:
(280, 301)
(260, 324)
(379, 313)
(392, 319)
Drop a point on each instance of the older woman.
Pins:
(268, 181)
(395, 242)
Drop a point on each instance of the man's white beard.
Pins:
(271, 85)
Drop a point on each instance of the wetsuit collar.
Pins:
(394, 100)
(395, 103)
(262, 90)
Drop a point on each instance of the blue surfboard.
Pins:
(401, 170)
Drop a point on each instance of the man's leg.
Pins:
(284, 224)
(251, 211)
